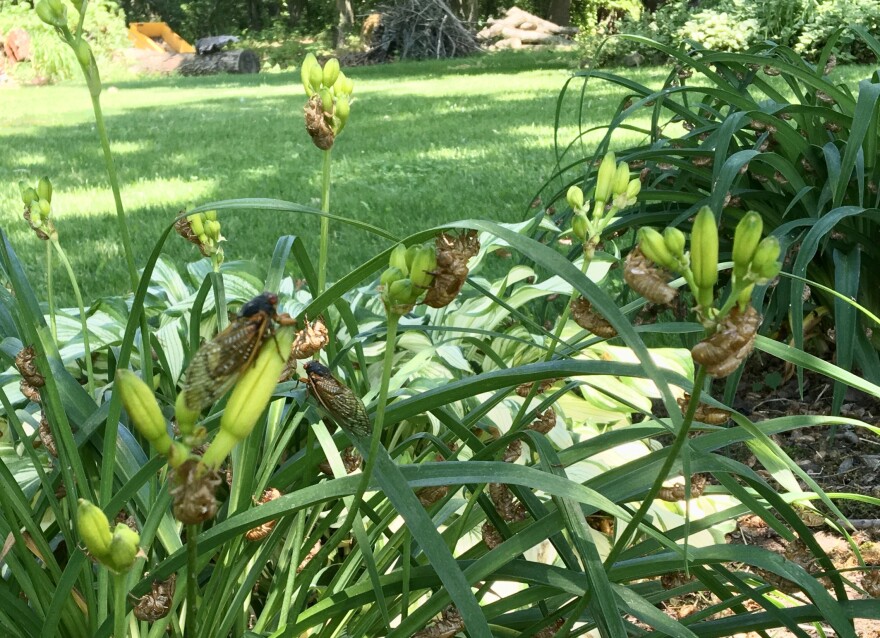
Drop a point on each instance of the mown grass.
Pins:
(427, 143)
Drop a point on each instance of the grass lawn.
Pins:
(427, 143)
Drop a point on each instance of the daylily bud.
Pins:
(343, 108)
(675, 241)
(423, 265)
(186, 416)
(306, 72)
(94, 529)
(391, 274)
(633, 189)
(210, 214)
(195, 222)
(765, 262)
(249, 397)
(326, 101)
(45, 208)
(348, 86)
(411, 253)
(745, 296)
(704, 255)
(398, 259)
(28, 194)
(52, 12)
(123, 548)
(580, 226)
(331, 72)
(44, 189)
(83, 52)
(400, 296)
(575, 198)
(745, 242)
(654, 248)
(143, 410)
(316, 75)
(605, 178)
(621, 179)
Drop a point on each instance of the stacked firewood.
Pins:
(519, 28)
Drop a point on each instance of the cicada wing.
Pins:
(343, 405)
(220, 362)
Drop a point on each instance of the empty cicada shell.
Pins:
(449, 624)
(317, 125)
(505, 502)
(545, 422)
(583, 314)
(705, 413)
(491, 536)
(157, 603)
(647, 279)
(47, 438)
(513, 452)
(677, 492)
(524, 388)
(31, 379)
(351, 461)
(724, 351)
(192, 495)
(429, 495)
(310, 339)
(262, 531)
(453, 254)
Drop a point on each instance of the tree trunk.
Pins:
(239, 61)
(346, 19)
(560, 12)
(295, 10)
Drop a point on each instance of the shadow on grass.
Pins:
(406, 162)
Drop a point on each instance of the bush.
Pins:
(720, 30)
(828, 19)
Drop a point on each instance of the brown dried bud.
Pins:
(677, 492)
(704, 413)
(583, 314)
(724, 351)
(46, 437)
(449, 624)
(31, 379)
(192, 494)
(317, 125)
(156, 604)
(262, 531)
(524, 388)
(351, 461)
(492, 538)
(38, 230)
(643, 276)
(545, 422)
(453, 254)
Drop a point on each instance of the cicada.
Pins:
(221, 361)
(338, 400)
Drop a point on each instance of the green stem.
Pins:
(192, 592)
(671, 457)
(51, 290)
(325, 223)
(119, 612)
(90, 375)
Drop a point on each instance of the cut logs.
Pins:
(238, 61)
(518, 28)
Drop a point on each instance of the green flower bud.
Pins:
(605, 178)
(52, 12)
(28, 194)
(423, 265)
(195, 223)
(212, 229)
(94, 529)
(633, 189)
(411, 253)
(210, 214)
(580, 226)
(123, 548)
(186, 416)
(704, 255)
(398, 259)
(342, 85)
(45, 208)
(745, 295)
(621, 179)
(765, 262)
(331, 72)
(203, 237)
(143, 409)
(575, 198)
(654, 248)
(343, 108)
(249, 397)
(348, 86)
(401, 295)
(83, 52)
(326, 101)
(674, 240)
(305, 71)
(44, 189)
(745, 242)
(391, 275)
(315, 77)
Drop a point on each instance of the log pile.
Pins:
(520, 28)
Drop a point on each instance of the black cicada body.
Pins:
(221, 361)
(342, 405)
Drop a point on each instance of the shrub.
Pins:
(721, 30)
(827, 20)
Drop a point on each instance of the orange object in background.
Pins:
(157, 36)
